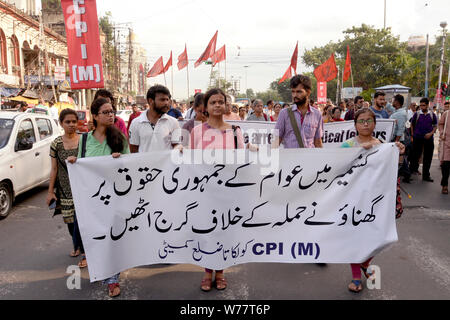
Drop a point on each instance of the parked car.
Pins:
(124, 114)
(83, 120)
(25, 140)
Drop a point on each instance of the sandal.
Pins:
(369, 276)
(206, 284)
(83, 262)
(220, 283)
(114, 289)
(355, 286)
(75, 253)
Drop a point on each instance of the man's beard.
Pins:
(161, 110)
(300, 102)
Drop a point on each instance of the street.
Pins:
(35, 247)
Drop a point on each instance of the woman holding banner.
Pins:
(215, 133)
(105, 140)
(365, 122)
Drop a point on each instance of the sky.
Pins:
(265, 30)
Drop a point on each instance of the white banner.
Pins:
(317, 206)
(335, 133)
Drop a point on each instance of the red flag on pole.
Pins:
(294, 59)
(219, 55)
(183, 59)
(287, 75)
(157, 68)
(327, 71)
(83, 44)
(169, 63)
(348, 65)
(209, 51)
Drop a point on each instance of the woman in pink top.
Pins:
(215, 134)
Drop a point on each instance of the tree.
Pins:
(378, 57)
(109, 49)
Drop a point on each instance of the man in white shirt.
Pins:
(154, 129)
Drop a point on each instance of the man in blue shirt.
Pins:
(379, 104)
(175, 112)
(424, 124)
(400, 116)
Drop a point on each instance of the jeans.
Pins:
(428, 147)
(77, 242)
(445, 173)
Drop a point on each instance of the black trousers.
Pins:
(445, 173)
(427, 145)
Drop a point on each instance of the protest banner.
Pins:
(214, 208)
(334, 133)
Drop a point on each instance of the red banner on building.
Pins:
(321, 92)
(83, 44)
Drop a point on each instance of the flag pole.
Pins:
(225, 83)
(218, 70)
(187, 72)
(172, 80)
(165, 83)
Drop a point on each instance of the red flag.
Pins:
(157, 68)
(169, 63)
(348, 65)
(327, 71)
(83, 44)
(219, 55)
(183, 59)
(287, 75)
(209, 51)
(294, 59)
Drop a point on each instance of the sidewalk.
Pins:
(428, 193)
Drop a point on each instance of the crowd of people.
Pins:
(300, 125)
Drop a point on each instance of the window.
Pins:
(3, 50)
(26, 132)
(44, 128)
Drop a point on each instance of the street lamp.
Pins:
(246, 87)
(444, 34)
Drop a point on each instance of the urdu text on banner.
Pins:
(313, 206)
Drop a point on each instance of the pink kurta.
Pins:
(445, 144)
(205, 137)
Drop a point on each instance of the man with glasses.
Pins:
(155, 129)
(424, 125)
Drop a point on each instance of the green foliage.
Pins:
(379, 58)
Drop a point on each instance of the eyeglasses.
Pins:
(362, 121)
(108, 112)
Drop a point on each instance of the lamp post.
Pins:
(444, 34)
(246, 86)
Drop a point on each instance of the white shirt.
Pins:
(167, 132)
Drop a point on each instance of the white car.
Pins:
(124, 115)
(25, 140)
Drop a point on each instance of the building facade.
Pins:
(21, 43)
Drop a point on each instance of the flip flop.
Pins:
(220, 283)
(355, 286)
(83, 262)
(75, 253)
(206, 284)
(113, 290)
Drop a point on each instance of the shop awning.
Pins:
(28, 101)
